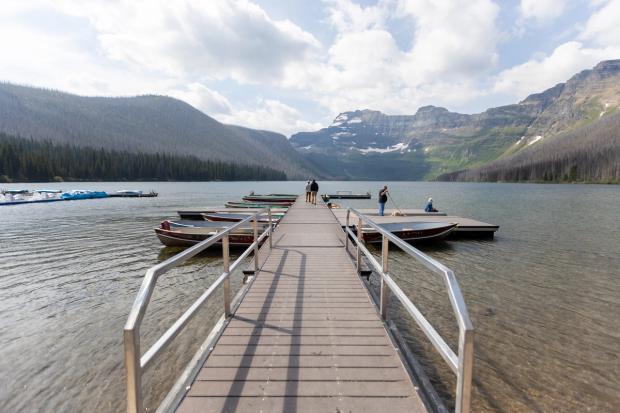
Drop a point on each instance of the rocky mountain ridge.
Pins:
(435, 140)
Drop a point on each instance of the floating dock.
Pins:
(306, 337)
(466, 227)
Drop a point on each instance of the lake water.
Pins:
(544, 295)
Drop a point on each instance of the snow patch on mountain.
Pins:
(536, 139)
(399, 147)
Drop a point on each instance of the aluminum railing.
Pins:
(461, 364)
(135, 363)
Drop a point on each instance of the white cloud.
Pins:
(603, 27)
(220, 39)
(539, 74)
(272, 115)
(201, 97)
(542, 10)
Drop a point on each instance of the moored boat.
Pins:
(83, 194)
(411, 231)
(197, 213)
(345, 195)
(231, 217)
(188, 236)
(133, 194)
(270, 198)
(236, 204)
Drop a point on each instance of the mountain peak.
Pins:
(429, 109)
(608, 66)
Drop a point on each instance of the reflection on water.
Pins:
(544, 296)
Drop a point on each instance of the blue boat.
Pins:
(83, 194)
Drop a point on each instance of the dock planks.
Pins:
(306, 337)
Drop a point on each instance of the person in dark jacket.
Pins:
(383, 198)
(314, 188)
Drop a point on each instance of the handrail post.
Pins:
(226, 256)
(270, 228)
(466, 365)
(131, 343)
(255, 226)
(359, 241)
(346, 238)
(385, 291)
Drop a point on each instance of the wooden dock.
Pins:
(307, 336)
(466, 227)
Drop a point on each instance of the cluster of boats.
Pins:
(197, 225)
(25, 196)
(194, 226)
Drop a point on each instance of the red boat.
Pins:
(186, 237)
(411, 231)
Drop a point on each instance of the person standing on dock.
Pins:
(314, 188)
(383, 198)
(308, 199)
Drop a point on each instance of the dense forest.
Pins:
(141, 124)
(23, 160)
(588, 154)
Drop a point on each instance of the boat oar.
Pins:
(396, 206)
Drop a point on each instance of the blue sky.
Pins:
(293, 65)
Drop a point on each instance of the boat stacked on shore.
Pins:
(198, 225)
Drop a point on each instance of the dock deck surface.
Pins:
(306, 337)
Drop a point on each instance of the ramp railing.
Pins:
(462, 363)
(135, 363)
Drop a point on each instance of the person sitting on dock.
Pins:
(383, 198)
(314, 188)
(308, 199)
(429, 206)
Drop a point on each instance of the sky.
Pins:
(294, 65)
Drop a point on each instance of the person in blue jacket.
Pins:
(429, 206)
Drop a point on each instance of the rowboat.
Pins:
(234, 204)
(188, 236)
(228, 217)
(272, 198)
(183, 223)
(197, 213)
(345, 195)
(133, 194)
(411, 231)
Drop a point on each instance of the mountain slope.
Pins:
(589, 153)
(148, 124)
(434, 140)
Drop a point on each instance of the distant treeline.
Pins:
(590, 154)
(23, 160)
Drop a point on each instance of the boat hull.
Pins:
(236, 218)
(172, 238)
(412, 232)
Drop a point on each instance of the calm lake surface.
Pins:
(544, 295)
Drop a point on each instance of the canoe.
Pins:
(345, 195)
(234, 204)
(197, 213)
(188, 236)
(228, 217)
(411, 231)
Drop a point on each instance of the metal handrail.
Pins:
(136, 364)
(461, 364)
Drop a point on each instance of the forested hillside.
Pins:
(149, 124)
(587, 154)
(23, 160)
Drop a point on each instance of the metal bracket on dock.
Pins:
(247, 275)
(366, 273)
